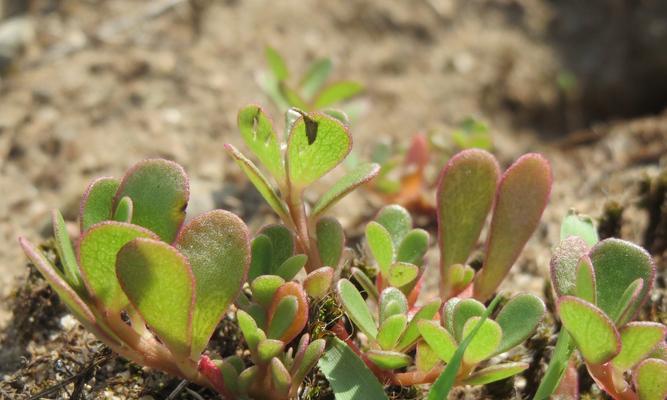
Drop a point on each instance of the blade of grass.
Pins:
(445, 381)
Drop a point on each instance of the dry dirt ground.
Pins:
(90, 87)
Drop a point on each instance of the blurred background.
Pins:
(89, 87)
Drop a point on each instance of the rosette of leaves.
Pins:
(275, 316)
(514, 323)
(149, 287)
(600, 290)
(312, 92)
(315, 143)
(470, 185)
(398, 250)
(391, 333)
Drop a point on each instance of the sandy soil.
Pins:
(100, 85)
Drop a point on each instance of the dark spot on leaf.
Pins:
(311, 129)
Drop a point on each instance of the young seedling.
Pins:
(312, 92)
(600, 290)
(315, 144)
(150, 288)
(470, 185)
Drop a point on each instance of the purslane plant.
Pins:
(135, 262)
(315, 143)
(600, 290)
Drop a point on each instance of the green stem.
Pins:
(557, 366)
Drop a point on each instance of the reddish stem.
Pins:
(603, 374)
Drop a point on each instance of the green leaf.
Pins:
(260, 182)
(402, 274)
(124, 210)
(649, 378)
(392, 301)
(438, 338)
(593, 332)
(365, 282)
(356, 308)
(257, 132)
(294, 99)
(292, 266)
(97, 259)
(518, 320)
(217, 247)
(638, 339)
(425, 357)
(159, 192)
(247, 378)
(353, 179)
(261, 250)
(97, 202)
(397, 221)
(330, 241)
(380, 244)
(66, 253)
(440, 389)
(564, 263)
(318, 282)
(459, 277)
(411, 334)
(280, 377)
(388, 360)
(316, 144)
(310, 357)
(282, 241)
(160, 284)
(391, 330)
(617, 264)
(626, 304)
(485, 344)
(315, 77)
(463, 311)
(55, 279)
(495, 373)
(269, 348)
(413, 247)
(522, 195)
(251, 333)
(581, 226)
(276, 63)
(337, 91)
(258, 313)
(298, 322)
(283, 317)
(347, 374)
(585, 281)
(340, 115)
(465, 194)
(264, 287)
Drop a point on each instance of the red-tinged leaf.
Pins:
(66, 252)
(98, 248)
(97, 202)
(160, 284)
(564, 262)
(318, 282)
(217, 246)
(618, 264)
(301, 317)
(465, 194)
(650, 378)
(210, 370)
(159, 190)
(522, 195)
(638, 339)
(593, 332)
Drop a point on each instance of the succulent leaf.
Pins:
(330, 241)
(388, 360)
(413, 247)
(650, 379)
(485, 343)
(564, 263)
(300, 319)
(618, 264)
(159, 191)
(463, 311)
(261, 261)
(264, 287)
(315, 77)
(518, 319)
(442, 342)
(282, 241)
(495, 373)
(411, 334)
(397, 221)
(280, 376)
(276, 63)
(124, 210)
(585, 281)
(402, 274)
(380, 243)
(338, 91)
(251, 333)
(425, 357)
(392, 301)
(97, 202)
(522, 195)
(356, 308)
(310, 357)
(257, 132)
(282, 317)
(160, 284)
(66, 253)
(366, 283)
(318, 282)
(391, 330)
(353, 179)
(316, 144)
(581, 226)
(465, 194)
(269, 348)
(593, 332)
(216, 245)
(625, 307)
(291, 267)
